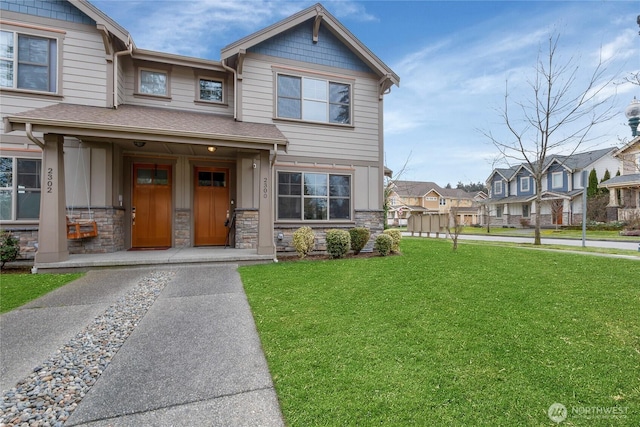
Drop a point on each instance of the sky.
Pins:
(456, 61)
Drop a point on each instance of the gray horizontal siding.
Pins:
(358, 142)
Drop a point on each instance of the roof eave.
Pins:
(101, 18)
(88, 129)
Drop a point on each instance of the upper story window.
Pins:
(443, 201)
(557, 180)
(32, 66)
(314, 196)
(313, 99)
(210, 90)
(20, 188)
(525, 184)
(497, 187)
(153, 82)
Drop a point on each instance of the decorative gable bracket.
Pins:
(316, 24)
(385, 84)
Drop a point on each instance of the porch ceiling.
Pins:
(148, 124)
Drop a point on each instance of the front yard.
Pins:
(483, 336)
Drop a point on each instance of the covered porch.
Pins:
(173, 148)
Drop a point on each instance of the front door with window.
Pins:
(151, 208)
(211, 205)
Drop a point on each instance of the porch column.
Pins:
(52, 231)
(613, 197)
(266, 245)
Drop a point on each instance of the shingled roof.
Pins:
(145, 123)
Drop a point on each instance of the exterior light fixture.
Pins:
(211, 149)
(633, 114)
(139, 144)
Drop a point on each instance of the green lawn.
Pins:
(19, 289)
(483, 336)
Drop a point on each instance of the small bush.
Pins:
(396, 236)
(338, 243)
(383, 244)
(359, 238)
(9, 248)
(303, 241)
(525, 223)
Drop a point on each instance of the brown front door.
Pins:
(211, 205)
(151, 209)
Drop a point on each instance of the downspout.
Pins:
(273, 199)
(235, 88)
(29, 129)
(129, 51)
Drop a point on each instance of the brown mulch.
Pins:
(292, 256)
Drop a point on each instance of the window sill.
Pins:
(149, 96)
(310, 123)
(210, 103)
(314, 223)
(31, 93)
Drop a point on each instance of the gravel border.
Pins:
(54, 389)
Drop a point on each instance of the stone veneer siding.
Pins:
(373, 220)
(182, 231)
(110, 238)
(246, 225)
(28, 236)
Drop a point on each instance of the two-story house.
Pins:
(423, 197)
(624, 190)
(161, 150)
(512, 191)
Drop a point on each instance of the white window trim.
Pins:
(499, 211)
(14, 190)
(525, 180)
(329, 78)
(221, 80)
(553, 176)
(41, 32)
(497, 187)
(139, 71)
(302, 197)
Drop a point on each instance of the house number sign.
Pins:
(265, 189)
(50, 180)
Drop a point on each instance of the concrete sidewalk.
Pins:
(194, 359)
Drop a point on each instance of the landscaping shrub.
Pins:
(303, 241)
(383, 244)
(9, 248)
(396, 236)
(338, 243)
(359, 238)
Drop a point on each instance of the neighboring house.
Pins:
(418, 197)
(624, 190)
(162, 150)
(512, 191)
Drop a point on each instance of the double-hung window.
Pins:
(28, 62)
(525, 184)
(557, 180)
(313, 99)
(314, 196)
(20, 188)
(526, 211)
(497, 187)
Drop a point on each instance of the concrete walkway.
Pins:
(194, 359)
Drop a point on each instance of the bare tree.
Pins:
(558, 116)
(388, 189)
(454, 225)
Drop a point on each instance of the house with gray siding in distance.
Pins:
(108, 147)
(512, 191)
